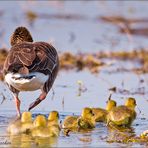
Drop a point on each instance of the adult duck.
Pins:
(30, 66)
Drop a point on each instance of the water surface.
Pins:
(84, 32)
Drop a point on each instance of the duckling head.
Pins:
(130, 102)
(26, 117)
(40, 121)
(54, 115)
(20, 35)
(110, 104)
(87, 113)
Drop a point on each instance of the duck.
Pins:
(85, 121)
(26, 122)
(70, 122)
(29, 66)
(122, 115)
(100, 114)
(21, 125)
(40, 127)
(53, 123)
(43, 129)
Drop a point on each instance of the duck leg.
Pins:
(37, 101)
(17, 100)
(46, 88)
(17, 103)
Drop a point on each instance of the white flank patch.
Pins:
(23, 84)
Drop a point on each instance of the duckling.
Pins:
(26, 120)
(100, 114)
(85, 121)
(122, 115)
(53, 123)
(40, 127)
(21, 126)
(70, 122)
(53, 118)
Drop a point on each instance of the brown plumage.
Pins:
(25, 58)
(21, 34)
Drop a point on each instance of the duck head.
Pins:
(26, 117)
(54, 115)
(40, 121)
(131, 103)
(21, 34)
(110, 105)
(87, 113)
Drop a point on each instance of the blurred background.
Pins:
(112, 35)
(87, 26)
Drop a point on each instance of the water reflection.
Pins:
(120, 134)
(27, 141)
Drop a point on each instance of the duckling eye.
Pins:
(91, 112)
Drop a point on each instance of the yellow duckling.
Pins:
(40, 127)
(123, 115)
(21, 126)
(100, 114)
(70, 122)
(85, 121)
(26, 120)
(53, 123)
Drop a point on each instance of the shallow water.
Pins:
(88, 34)
(67, 101)
(95, 138)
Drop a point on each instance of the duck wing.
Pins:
(33, 57)
(119, 114)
